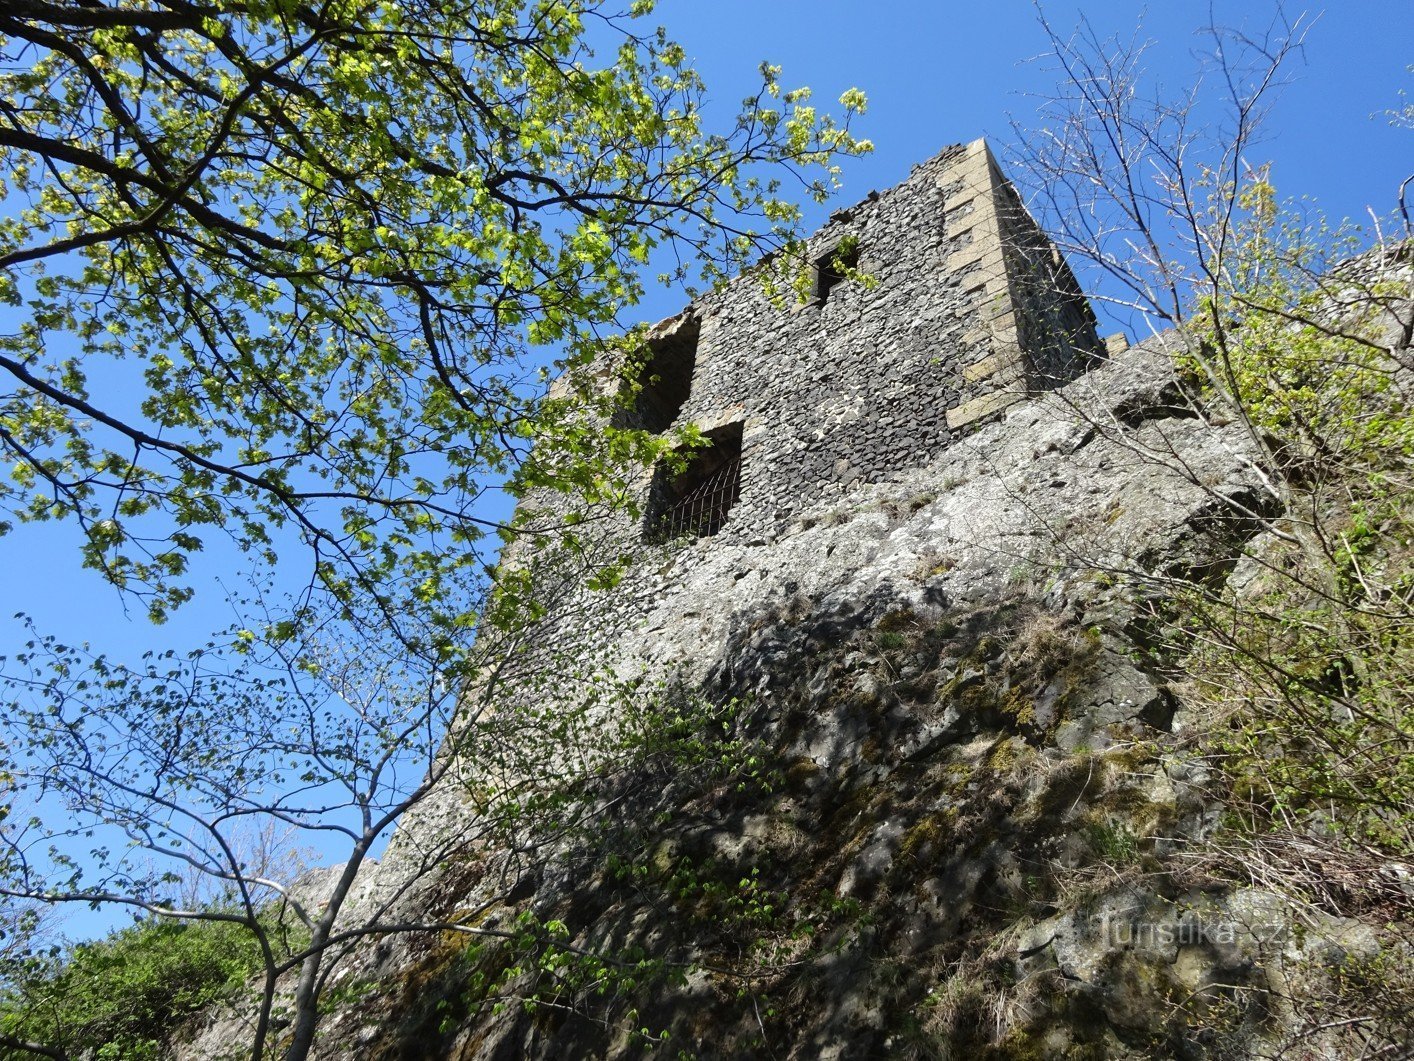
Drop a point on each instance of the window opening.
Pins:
(666, 377)
(831, 267)
(695, 501)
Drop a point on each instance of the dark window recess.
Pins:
(830, 269)
(666, 376)
(696, 500)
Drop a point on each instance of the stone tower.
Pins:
(968, 311)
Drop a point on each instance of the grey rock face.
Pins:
(946, 685)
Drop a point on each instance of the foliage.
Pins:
(1292, 344)
(1314, 648)
(654, 749)
(124, 995)
(133, 775)
(291, 274)
(137, 779)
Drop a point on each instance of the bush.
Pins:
(122, 997)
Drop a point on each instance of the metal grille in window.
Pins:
(703, 510)
(695, 502)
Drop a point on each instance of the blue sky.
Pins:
(941, 72)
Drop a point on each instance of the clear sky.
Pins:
(939, 72)
(936, 72)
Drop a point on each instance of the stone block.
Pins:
(967, 197)
(989, 258)
(969, 411)
(1000, 331)
(1005, 362)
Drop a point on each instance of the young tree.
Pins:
(293, 275)
(1291, 338)
(160, 773)
(1294, 337)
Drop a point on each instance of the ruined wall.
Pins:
(961, 830)
(968, 310)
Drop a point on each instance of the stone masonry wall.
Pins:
(971, 312)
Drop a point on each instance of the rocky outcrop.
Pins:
(939, 803)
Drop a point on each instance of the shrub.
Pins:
(122, 996)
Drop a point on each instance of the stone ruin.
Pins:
(886, 553)
(968, 310)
